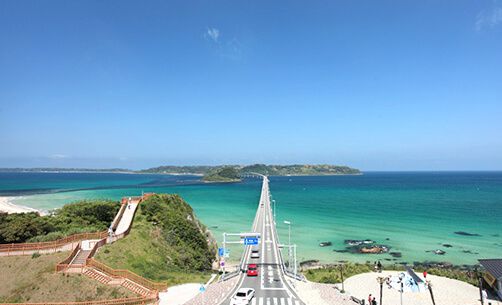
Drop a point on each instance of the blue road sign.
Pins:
(250, 241)
(221, 251)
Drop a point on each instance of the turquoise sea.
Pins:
(411, 212)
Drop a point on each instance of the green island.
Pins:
(218, 173)
(233, 173)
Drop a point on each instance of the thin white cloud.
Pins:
(212, 34)
(489, 18)
(59, 156)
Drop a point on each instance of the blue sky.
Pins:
(378, 85)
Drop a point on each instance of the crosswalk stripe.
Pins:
(253, 301)
(283, 301)
(290, 301)
(297, 302)
(268, 301)
(275, 301)
(260, 302)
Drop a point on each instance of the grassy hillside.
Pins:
(27, 279)
(225, 174)
(78, 217)
(167, 243)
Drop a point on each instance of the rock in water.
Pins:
(325, 244)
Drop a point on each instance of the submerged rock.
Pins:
(377, 249)
(325, 244)
(396, 254)
(358, 242)
(447, 245)
(466, 233)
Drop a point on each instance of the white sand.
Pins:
(446, 291)
(7, 205)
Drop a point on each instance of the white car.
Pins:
(242, 297)
(255, 253)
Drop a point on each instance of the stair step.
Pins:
(136, 288)
(98, 276)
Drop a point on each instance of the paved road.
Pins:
(271, 285)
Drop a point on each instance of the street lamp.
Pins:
(289, 242)
(429, 285)
(273, 201)
(380, 281)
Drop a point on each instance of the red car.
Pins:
(252, 270)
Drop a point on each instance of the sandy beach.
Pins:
(7, 205)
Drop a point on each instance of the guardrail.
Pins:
(122, 273)
(29, 248)
(123, 301)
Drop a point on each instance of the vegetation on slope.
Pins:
(332, 274)
(32, 279)
(167, 243)
(225, 174)
(299, 170)
(82, 216)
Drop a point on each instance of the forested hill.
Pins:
(271, 170)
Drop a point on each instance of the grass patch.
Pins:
(24, 279)
(331, 274)
(166, 244)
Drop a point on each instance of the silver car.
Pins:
(255, 253)
(242, 297)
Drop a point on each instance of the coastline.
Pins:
(7, 206)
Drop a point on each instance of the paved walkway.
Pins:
(127, 217)
(446, 291)
(214, 294)
(321, 294)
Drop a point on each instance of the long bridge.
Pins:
(271, 286)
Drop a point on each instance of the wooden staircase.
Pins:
(136, 288)
(81, 257)
(98, 276)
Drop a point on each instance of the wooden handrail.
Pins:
(123, 301)
(48, 245)
(126, 274)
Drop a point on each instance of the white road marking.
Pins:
(283, 301)
(275, 301)
(290, 301)
(268, 301)
(260, 302)
(253, 301)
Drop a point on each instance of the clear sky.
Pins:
(378, 85)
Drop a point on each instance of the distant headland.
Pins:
(218, 173)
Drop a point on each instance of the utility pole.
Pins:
(295, 268)
(222, 261)
(380, 281)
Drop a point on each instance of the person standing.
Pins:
(369, 299)
(484, 294)
(374, 302)
(425, 274)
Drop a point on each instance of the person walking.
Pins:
(379, 265)
(369, 299)
(425, 274)
(374, 302)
